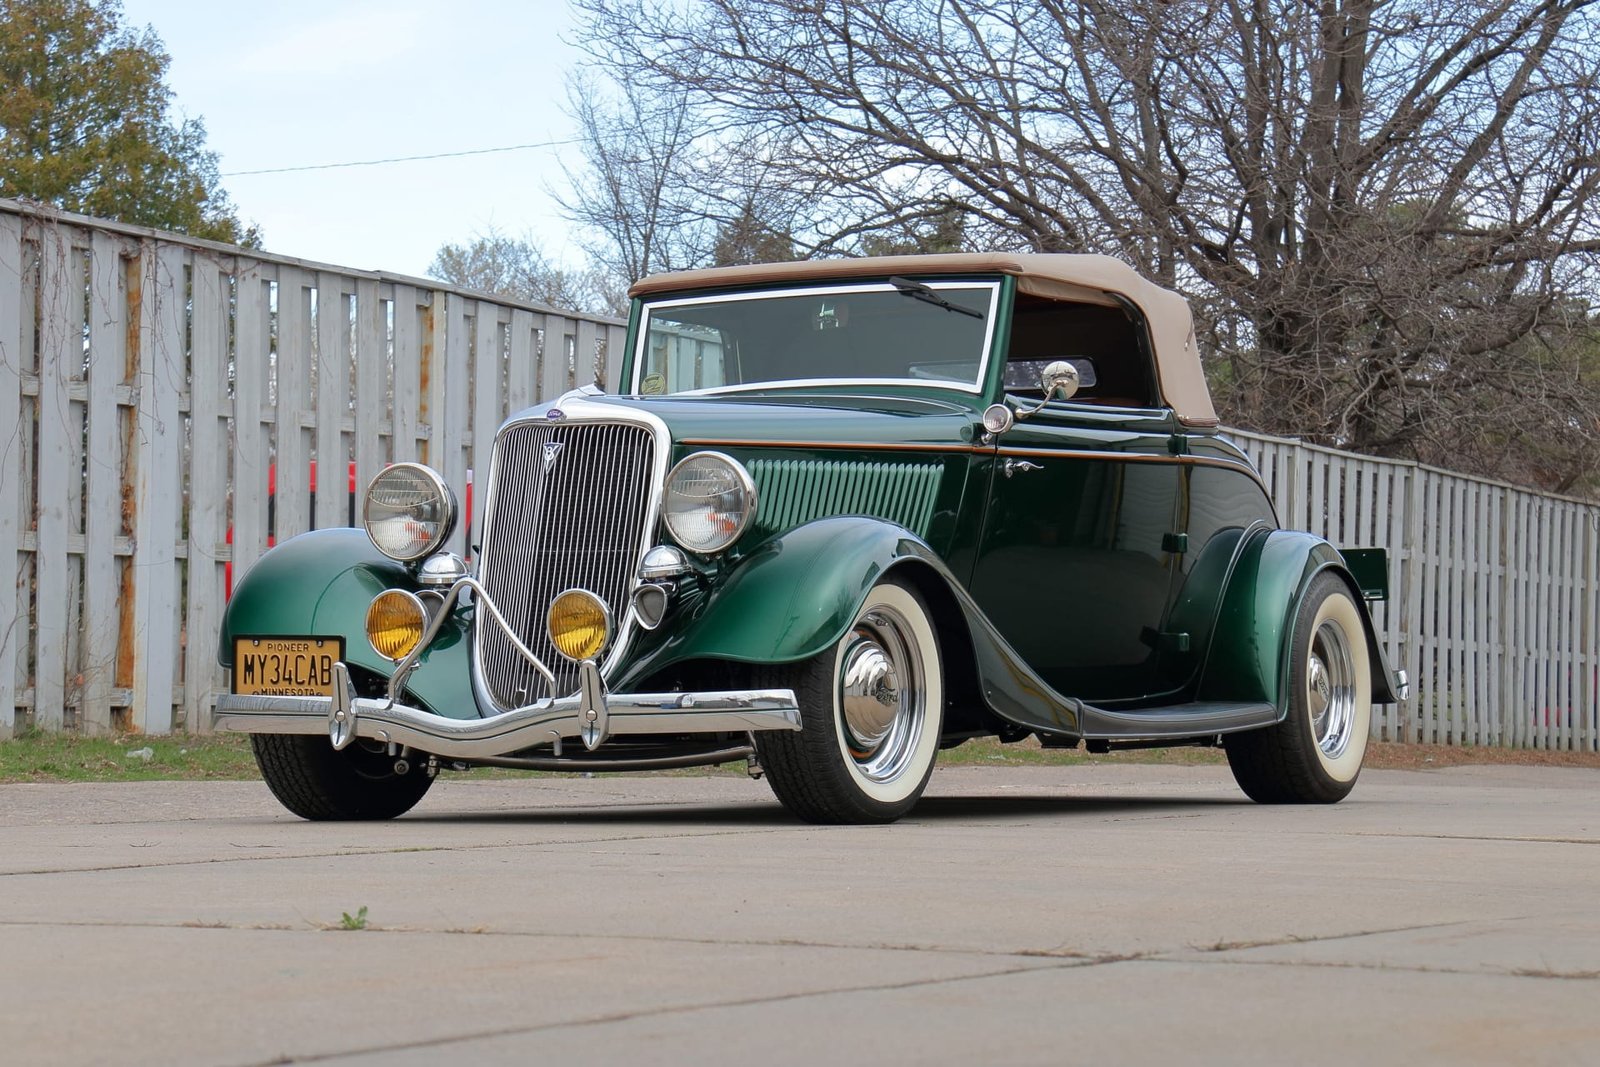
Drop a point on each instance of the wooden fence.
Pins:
(144, 378)
(1494, 607)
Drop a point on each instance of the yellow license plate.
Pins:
(285, 666)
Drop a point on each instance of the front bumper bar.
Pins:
(591, 714)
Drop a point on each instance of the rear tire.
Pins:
(1314, 755)
(316, 781)
(871, 709)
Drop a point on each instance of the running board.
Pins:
(1176, 721)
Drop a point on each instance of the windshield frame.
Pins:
(975, 387)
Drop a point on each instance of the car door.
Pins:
(1078, 555)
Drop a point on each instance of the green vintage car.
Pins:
(838, 515)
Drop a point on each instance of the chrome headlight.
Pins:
(709, 501)
(408, 511)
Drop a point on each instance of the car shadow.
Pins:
(770, 813)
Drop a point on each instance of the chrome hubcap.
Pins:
(880, 695)
(1330, 689)
(871, 693)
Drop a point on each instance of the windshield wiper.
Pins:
(926, 294)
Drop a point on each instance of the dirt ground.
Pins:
(1392, 756)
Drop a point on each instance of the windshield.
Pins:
(893, 332)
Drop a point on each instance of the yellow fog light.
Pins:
(579, 624)
(395, 621)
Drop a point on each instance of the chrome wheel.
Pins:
(1314, 754)
(1330, 689)
(871, 708)
(881, 695)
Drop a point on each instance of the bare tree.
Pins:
(1385, 211)
(497, 263)
(636, 192)
(661, 190)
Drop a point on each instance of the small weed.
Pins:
(358, 921)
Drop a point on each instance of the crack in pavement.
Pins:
(890, 987)
(1479, 837)
(1398, 968)
(1063, 953)
(312, 926)
(1311, 939)
(394, 851)
(669, 1010)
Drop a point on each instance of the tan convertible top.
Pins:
(1057, 277)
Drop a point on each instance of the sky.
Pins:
(295, 83)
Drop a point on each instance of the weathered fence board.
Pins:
(13, 610)
(160, 385)
(208, 483)
(105, 546)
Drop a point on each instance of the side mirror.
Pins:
(1059, 380)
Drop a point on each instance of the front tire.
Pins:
(1314, 755)
(871, 709)
(316, 781)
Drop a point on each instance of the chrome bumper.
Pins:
(591, 715)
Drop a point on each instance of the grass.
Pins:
(41, 757)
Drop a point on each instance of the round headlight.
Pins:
(408, 511)
(579, 624)
(709, 501)
(395, 622)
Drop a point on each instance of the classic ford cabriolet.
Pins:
(838, 515)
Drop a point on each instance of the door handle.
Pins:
(1014, 466)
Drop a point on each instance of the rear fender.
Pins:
(1249, 656)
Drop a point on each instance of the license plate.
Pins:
(285, 666)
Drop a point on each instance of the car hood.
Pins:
(801, 419)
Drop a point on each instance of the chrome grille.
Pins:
(568, 505)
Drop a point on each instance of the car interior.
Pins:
(1107, 346)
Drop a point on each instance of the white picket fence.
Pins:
(144, 378)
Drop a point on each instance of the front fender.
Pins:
(1249, 656)
(791, 598)
(795, 596)
(319, 585)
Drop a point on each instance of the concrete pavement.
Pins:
(1023, 915)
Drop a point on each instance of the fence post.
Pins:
(1589, 707)
(107, 371)
(1411, 607)
(13, 626)
(157, 490)
(208, 487)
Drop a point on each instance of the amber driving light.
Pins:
(579, 624)
(395, 622)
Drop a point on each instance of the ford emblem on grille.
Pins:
(555, 413)
(552, 449)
